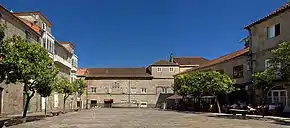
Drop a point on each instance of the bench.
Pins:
(239, 111)
(55, 113)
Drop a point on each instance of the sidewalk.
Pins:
(282, 119)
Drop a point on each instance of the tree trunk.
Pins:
(27, 104)
(45, 108)
(218, 105)
(64, 99)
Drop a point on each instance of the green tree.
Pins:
(264, 81)
(80, 86)
(203, 82)
(216, 83)
(28, 63)
(62, 85)
(280, 61)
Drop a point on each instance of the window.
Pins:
(44, 42)
(220, 71)
(273, 31)
(27, 35)
(164, 90)
(159, 69)
(116, 85)
(143, 90)
(267, 64)
(94, 89)
(238, 71)
(133, 89)
(171, 69)
(43, 26)
(277, 96)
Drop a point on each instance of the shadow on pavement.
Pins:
(19, 120)
(274, 121)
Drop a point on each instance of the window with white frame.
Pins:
(94, 89)
(273, 31)
(277, 96)
(159, 69)
(164, 90)
(44, 26)
(267, 63)
(171, 69)
(143, 90)
(133, 89)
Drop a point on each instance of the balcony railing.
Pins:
(74, 68)
(62, 61)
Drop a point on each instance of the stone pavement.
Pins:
(144, 118)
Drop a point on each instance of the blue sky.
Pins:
(135, 33)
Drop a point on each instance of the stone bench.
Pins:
(239, 111)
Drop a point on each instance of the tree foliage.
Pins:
(203, 82)
(263, 80)
(280, 61)
(62, 85)
(80, 86)
(211, 82)
(28, 63)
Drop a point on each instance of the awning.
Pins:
(174, 97)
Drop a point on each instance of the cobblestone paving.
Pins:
(143, 118)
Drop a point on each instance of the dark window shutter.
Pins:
(277, 29)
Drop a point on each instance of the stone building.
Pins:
(264, 35)
(236, 66)
(130, 87)
(35, 27)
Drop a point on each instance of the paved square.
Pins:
(143, 118)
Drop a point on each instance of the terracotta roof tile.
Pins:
(35, 27)
(190, 60)
(164, 63)
(118, 72)
(220, 59)
(82, 72)
(16, 18)
(281, 9)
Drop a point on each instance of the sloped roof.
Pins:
(70, 43)
(164, 63)
(190, 60)
(82, 72)
(17, 19)
(33, 26)
(281, 9)
(117, 72)
(220, 59)
(34, 12)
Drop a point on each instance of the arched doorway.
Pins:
(277, 94)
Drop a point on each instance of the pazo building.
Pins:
(133, 87)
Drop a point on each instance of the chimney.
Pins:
(171, 57)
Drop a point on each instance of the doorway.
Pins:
(108, 103)
(94, 103)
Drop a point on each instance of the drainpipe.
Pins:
(250, 62)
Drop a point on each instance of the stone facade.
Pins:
(12, 98)
(261, 46)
